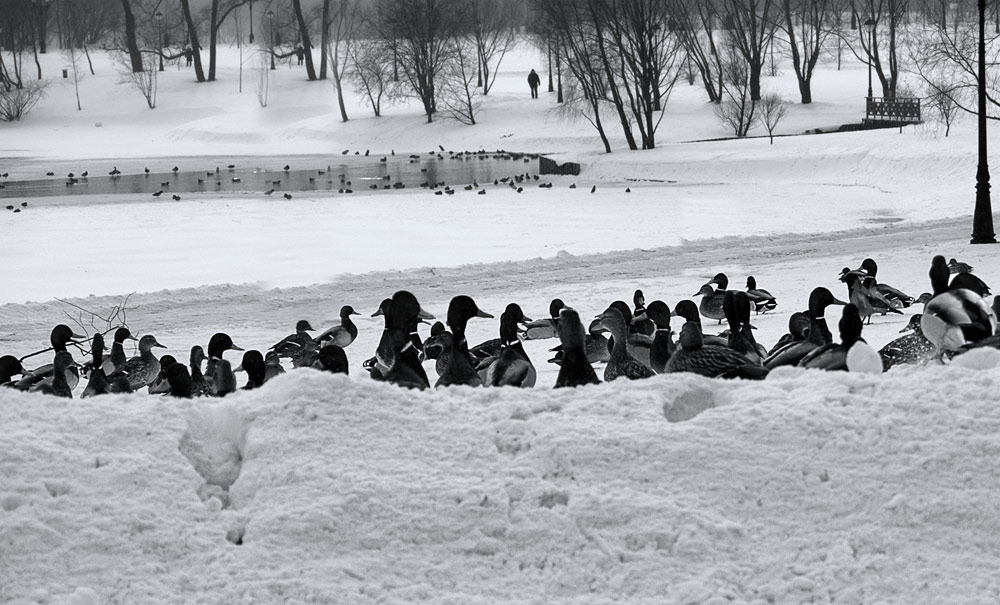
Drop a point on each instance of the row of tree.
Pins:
(621, 58)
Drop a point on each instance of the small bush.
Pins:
(18, 102)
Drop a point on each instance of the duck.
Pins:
(954, 266)
(199, 386)
(688, 311)
(61, 336)
(438, 347)
(380, 363)
(406, 371)
(798, 327)
(486, 352)
(58, 386)
(840, 356)
(10, 366)
(736, 306)
(97, 382)
(866, 300)
(143, 369)
(179, 381)
(511, 366)
(663, 345)
(117, 358)
(713, 361)
(816, 335)
(223, 378)
(965, 279)
(255, 368)
(621, 364)
(954, 317)
(343, 334)
(461, 368)
(272, 366)
(763, 301)
(893, 296)
(574, 370)
(547, 327)
(913, 348)
(294, 344)
(220, 381)
(711, 302)
(332, 358)
(637, 344)
(595, 344)
(160, 385)
(641, 324)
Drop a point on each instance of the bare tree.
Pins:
(868, 45)
(193, 40)
(263, 79)
(458, 83)
(340, 24)
(144, 81)
(420, 35)
(73, 59)
(805, 30)
(17, 102)
(692, 21)
(305, 41)
(371, 71)
(738, 108)
(753, 25)
(494, 27)
(771, 109)
(131, 43)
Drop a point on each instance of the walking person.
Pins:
(533, 82)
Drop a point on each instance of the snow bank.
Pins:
(808, 487)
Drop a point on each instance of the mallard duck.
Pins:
(294, 344)
(97, 381)
(61, 363)
(817, 335)
(179, 380)
(574, 370)
(711, 302)
(199, 386)
(511, 366)
(255, 368)
(333, 359)
(272, 366)
(143, 369)
(486, 352)
(10, 366)
(641, 324)
(547, 327)
(621, 363)
(223, 379)
(867, 301)
(713, 361)
(688, 310)
(913, 348)
(341, 335)
(893, 296)
(220, 380)
(954, 317)
(798, 328)
(851, 353)
(61, 336)
(406, 371)
(736, 306)
(663, 345)
(117, 358)
(461, 368)
(762, 300)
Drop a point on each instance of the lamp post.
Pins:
(870, 28)
(251, 21)
(270, 16)
(159, 36)
(982, 218)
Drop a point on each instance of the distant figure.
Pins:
(188, 55)
(533, 82)
(300, 54)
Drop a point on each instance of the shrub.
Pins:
(16, 103)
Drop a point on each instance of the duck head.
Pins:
(869, 266)
(638, 300)
(613, 321)
(720, 280)
(705, 290)
(819, 299)
(798, 325)
(659, 312)
(253, 364)
(555, 307)
(461, 309)
(624, 309)
(97, 349)
(751, 283)
(219, 344)
(61, 336)
(9, 366)
(346, 311)
(303, 325)
(571, 334)
(516, 313)
(939, 275)
(148, 342)
(123, 334)
(850, 326)
(197, 356)
(332, 358)
(383, 308)
(913, 325)
(688, 310)
(690, 337)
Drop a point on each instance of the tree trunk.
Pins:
(135, 57)
(325, 44)
(338, 82)
(193, 40)
(304, 37)
(213, 38)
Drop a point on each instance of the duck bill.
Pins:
(157, 344)
(424, 315)
(837, 301)
(377, 313)
(239, 368)
(483, 314)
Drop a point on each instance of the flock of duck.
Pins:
(632, 342)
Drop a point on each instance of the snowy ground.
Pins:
(806, 488)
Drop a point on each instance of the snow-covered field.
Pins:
(808, 487)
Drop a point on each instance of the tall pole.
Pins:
(982, 219)
(870, 26)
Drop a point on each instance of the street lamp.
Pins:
(159, 36)
(870, 28)
(982, 218)
(251, 21)
(270, 16)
